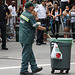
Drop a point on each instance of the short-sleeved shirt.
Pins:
(13, 13)
(72, 18)
(27, 28)
(41, 11)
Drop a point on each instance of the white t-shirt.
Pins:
(64, 0)
(13, 13)
(72, 18)
(56, 13)
(41, 11)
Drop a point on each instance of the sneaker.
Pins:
(8, 39)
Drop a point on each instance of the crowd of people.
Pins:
(48, 13)
(54, 15)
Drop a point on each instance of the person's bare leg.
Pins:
(68, 32)
(65, 35)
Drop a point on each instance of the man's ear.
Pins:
(29, 7)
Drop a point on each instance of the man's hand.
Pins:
(6, 17)
(48, 28)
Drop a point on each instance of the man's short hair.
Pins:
(56, 3)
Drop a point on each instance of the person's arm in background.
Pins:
(51, 4)
(47, 10)
(9, 7)
(17, 10)
(49, 14)
(8, 14)
(64, 13)
(35, 15)
(52, 13)
(68, 1)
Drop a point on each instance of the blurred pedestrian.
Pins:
(3, 18)
(72, 11)
(64, 3)
(12, 9)
(49, 5)
(66, 20)
(19, 12)
(56, 13)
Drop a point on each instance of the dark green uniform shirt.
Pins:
(27, 28)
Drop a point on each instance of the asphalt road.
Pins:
(10, 61)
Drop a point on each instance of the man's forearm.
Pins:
(41, 28)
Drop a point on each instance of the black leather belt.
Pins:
(2, 19)
(43, 19)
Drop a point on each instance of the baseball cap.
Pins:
(29, 4)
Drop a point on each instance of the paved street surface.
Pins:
(10, 60)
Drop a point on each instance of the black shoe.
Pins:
(5, 48)
(25, 73)
(38, 70)
(38, 44)
(43, 43)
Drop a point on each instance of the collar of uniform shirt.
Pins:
(44, 6)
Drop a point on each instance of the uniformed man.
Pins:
(41, 14)
(27, 28)
(3, 10)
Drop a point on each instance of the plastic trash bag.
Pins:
(56, 53)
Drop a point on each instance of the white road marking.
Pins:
(17, 67)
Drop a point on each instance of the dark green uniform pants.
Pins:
(28, 58)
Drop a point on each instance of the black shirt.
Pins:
(3, 10)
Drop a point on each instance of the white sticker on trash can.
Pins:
(56, 53)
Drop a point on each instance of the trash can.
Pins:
(64, 45)
(17, 33)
